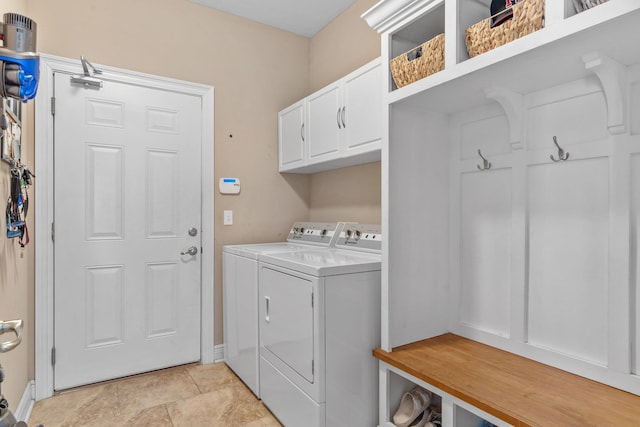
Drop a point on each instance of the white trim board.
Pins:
(218, 353)
(44, 339)
(25, 406)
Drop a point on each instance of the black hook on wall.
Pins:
(562, 155)
(486, 165)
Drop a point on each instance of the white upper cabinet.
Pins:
(291, 136)
(342, 126)
(362, 109)
(324, 115)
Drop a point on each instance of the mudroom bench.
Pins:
(479, 384)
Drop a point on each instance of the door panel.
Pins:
(286, 319)
(127, 189)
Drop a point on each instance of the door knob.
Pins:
(191, 251)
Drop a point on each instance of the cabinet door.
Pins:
(324, 121)
(291, 138)
(362, 114)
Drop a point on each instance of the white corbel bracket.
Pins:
(613, 78)
(513, 105)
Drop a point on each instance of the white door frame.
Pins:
(44, 250)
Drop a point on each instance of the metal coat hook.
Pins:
(562, 155)
(486, 165)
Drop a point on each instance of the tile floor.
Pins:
(185, 396)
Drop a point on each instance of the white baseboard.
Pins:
(218, 353)
(25, 406)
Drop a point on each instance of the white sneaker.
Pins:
(412, 405)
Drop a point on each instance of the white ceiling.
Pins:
(304, 17)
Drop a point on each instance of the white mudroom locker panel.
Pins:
(538, 257)
(486, 250)
(568, 252)
(635, 256)
(634, 106)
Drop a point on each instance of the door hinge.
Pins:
(53, 232)
(312, 300)
(53, 356)
(313, 367)
(53, 106)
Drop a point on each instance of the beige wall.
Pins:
(16, 278)
(342, 46)
(256, 71)
(349, 194)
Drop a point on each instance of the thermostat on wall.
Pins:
(229, 185)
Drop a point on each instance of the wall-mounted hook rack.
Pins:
(486, 165)
(562, 155)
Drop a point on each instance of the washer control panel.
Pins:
(365, 237)
(321, 233)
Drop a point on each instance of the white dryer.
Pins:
(240, 293)
(319, 322)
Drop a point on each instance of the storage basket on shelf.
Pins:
(420, 62)
(528, 17)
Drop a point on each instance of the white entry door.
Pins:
(127, 198)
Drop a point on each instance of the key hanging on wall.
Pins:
(18, 203)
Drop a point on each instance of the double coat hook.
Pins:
(562, 155)
(486, 165)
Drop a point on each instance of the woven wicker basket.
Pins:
(528, 16)
(424, 60)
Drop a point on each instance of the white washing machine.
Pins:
(319, 322)
(240, 293)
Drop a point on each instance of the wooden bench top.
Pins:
(515, 389)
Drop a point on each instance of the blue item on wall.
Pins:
(21, 75)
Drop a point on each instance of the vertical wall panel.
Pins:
(104, 192)
(581, 118)
(162, 184)
(162, 299)
(635, 260)
(489, 134)
(634, 107)
(568, 257)
(486, 250)
(104, 305)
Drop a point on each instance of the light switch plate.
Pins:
(228, 218)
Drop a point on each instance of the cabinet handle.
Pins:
(302, 132)
(344, 124)
(338, 118)
(266, 315)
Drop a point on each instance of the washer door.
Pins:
(286, 319)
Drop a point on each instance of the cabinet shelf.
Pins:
(546, 58)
